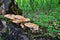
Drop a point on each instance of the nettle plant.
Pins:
(45, 13)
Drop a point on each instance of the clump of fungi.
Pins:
(24, 22)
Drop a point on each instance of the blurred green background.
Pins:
(45, 13)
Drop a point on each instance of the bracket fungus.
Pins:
(24, 22)
(31, 26)
(10, 16)
(21, 20)
(17, 18)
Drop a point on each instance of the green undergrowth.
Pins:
(45, 13)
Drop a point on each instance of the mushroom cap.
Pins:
(21, 20)
(26, 19)
(17, 18)
(10, 16)
(32, 25)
